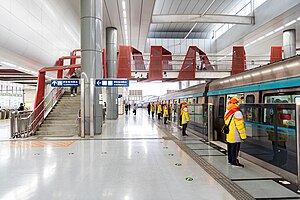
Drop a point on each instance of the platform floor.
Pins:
(4, 129)
(129, 161)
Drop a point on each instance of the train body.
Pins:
(269, 95)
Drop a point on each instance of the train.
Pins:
(269, 97)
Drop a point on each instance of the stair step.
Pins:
(53, 121)
(58, 128)
(62, 117)
(71, 125)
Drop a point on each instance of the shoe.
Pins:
(72, 95)
(75, 94)
(239, 165)
(185, 135)
(229, 163)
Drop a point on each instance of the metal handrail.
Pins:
(26, 126)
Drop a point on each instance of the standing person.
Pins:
(21, 107)
(185, 118)
(134, 108)
(149, 108)
(166, 113)
(237, 132)
(158, 110)
(74, 88)
(129, 106)
(126, 108)
(152, 110)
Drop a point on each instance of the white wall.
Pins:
(37, 32)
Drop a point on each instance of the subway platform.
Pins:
(136, 158)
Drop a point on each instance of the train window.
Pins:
(282, 98)
(250, 99)
(221, 107)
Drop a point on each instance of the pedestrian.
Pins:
(126, 108)
(152, 110)
(129, 107)
(21, 107)
(185, 118)
(134, 108)
(166, 113)
(149, 108)
(237, 133)
(74, 88)
(159, 110)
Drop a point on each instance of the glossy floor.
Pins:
(115, 167)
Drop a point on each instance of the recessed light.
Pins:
(290, 23)
(123, 4)
(278, 29)
(268, 34)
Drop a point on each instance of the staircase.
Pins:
(62, 120)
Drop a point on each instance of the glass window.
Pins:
(250, 99)
(282, 98)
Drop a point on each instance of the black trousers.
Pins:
(73, 89)
(152, 114)
(165, 120)
(149, 112)
(158, 115)
(184, 126)
(233, 152)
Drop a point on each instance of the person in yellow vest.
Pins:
(166, 113)
(237, 132)
(159, 110)
(152, 110)
(185, 118)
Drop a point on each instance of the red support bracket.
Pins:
(188, 69)
(159, 61)
(238, 60)
(138, 59)
(276, 54)
(124, 62)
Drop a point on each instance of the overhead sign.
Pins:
(65, 83)
(111, 83)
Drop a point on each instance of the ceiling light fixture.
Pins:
(268, 34)
(290, 23)
(278, 29)
(298, 18)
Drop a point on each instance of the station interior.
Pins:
(130, 99)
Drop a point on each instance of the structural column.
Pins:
(289, 43)
(111, 63)
(91, 62)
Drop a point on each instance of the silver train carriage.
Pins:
(268, 95)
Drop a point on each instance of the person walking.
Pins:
(149, 108)
(152, 110)
(185, 118)
(134, 108)
(74, 88)
(129, 107)
(237, 133)
(126, 108)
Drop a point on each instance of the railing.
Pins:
(26, 124)
(217, 61)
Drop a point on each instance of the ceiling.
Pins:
(17, 76)
(191, 7)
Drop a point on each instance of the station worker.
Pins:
(152, 109)
(159, 110)
(185, 118)
(166, 112)
(237, 131)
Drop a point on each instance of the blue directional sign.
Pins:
(111, 83)
(65, 83)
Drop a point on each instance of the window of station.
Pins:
(282, 98)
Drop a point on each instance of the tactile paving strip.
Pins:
(235, 190)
